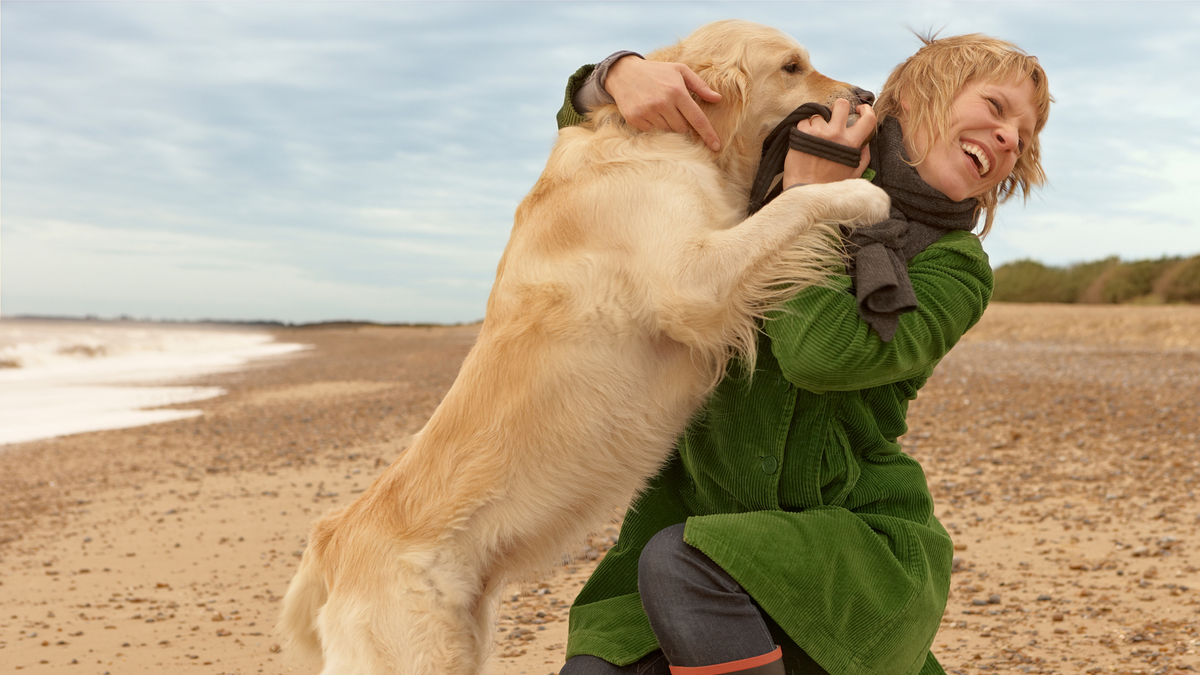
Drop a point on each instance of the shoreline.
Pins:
(1060, 448)
(59, 379)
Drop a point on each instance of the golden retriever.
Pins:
(630, 279)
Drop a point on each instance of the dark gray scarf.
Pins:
(880, 253)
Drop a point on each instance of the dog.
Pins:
(632, 276)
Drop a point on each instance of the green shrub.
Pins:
(1133, 280)
(1081, 275)
(1031, 281)
(1184, 284)
(1102, 281)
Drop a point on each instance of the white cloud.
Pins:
(326, 156)
(82, 269)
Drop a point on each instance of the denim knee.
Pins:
(698, 612)
(663, 559)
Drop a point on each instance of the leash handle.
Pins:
(775, 147)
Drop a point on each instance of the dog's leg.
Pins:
(305, 596)
(414, 614)
(485, 622)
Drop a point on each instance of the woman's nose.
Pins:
(1006, 137)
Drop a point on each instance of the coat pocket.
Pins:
(839, 468)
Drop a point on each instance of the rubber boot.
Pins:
(770, 663)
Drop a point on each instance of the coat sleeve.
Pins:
(822, 344)
(568, 116)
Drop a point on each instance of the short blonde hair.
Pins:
(932, 78)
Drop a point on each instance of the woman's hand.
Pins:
(801, 168)
(657, 95)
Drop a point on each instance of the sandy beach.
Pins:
(1060, 442)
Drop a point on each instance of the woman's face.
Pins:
(991, 123)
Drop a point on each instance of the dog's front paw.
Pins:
(855, 202)
(877, 204)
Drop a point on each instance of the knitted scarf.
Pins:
(879, 253)
(920, 216)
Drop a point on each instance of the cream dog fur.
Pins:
(630, 278)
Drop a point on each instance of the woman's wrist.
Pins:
(591, 94)
(602, 68)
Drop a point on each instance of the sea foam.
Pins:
(67, 377)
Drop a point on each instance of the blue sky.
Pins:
(341, 160)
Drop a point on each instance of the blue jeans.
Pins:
(700, 615)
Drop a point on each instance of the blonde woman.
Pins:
(790, 532)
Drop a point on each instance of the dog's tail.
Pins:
(305, 596)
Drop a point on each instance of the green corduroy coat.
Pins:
(793, 482)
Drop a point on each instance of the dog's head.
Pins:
(762, 75)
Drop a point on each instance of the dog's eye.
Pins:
(792, 67)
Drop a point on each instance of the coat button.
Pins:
(769, 464)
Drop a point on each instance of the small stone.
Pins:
(979, 602)
(993, 599)
(1057, 617)
(1044, 598)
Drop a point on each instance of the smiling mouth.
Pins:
(978, 156)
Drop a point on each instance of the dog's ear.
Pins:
(730, 80)
(721, 63)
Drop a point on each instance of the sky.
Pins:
(313, 161)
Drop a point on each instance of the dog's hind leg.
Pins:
(485, 621)
(417, 617)
(305, 595)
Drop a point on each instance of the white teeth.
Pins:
(979, 155)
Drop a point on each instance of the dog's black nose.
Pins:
(863, 95)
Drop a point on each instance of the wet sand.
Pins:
(1060, 443)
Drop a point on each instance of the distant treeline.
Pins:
(1108, 281)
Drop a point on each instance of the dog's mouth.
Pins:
(978, 156)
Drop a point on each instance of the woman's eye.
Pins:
(996, 104)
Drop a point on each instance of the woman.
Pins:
(790, 533)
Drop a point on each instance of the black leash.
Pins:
(775, 148)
